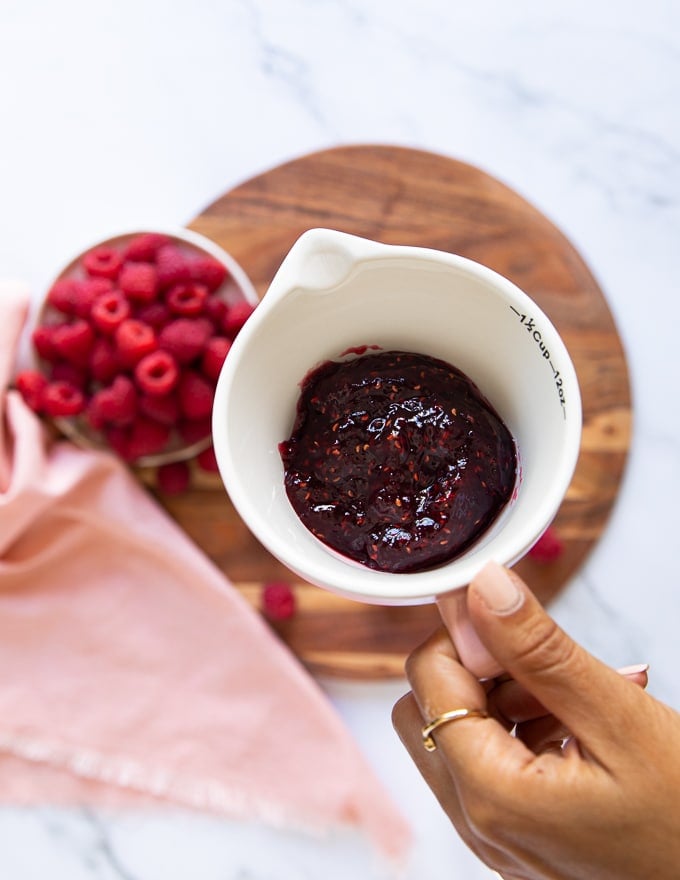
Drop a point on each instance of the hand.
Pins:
(603, 807)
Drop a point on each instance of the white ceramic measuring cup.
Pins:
(335, 292)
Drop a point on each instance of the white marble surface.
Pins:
(141, 112)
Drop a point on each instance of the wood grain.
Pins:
(404, 196)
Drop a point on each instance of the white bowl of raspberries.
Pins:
(130, 340)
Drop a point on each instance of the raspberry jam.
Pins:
(396, 460)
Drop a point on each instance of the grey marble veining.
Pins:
(141, 113)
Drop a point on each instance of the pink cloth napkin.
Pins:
(131, 672)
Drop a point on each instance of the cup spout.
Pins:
(320, 260)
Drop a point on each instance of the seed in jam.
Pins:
(396, 460)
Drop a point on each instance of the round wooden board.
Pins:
(404, 196)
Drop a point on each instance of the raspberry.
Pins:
(31, 385)
(194, 431)
(43, 342)
(184, 338)
(548, 548)
(109, 311)
(236, 317)
(62, 399)
(93, 411)
(216, 309)
(139, 281)
(114, 405)
(278, 601)
(214, 354)
(62, 295)
(86, 293)
(173, 478)
(171, 265)
(161, 409)
(146, 438)
(187, 299)
(65, 372)
(208, 271)
(157, 373)
(104, 361)
(123, 400)
(207, 461)
(119, 440)
(144, 247)
(102, 262)
(155, 314)
(195, 395)
(134, 340)
(74, 341)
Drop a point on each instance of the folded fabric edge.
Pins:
(196, 793)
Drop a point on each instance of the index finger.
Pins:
(431, 694)
(470, 746)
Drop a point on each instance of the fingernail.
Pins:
(497, 589)
(474, 656)
(638, 669)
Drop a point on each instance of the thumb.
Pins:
(593, 701)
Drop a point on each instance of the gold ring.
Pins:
(453, 715)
